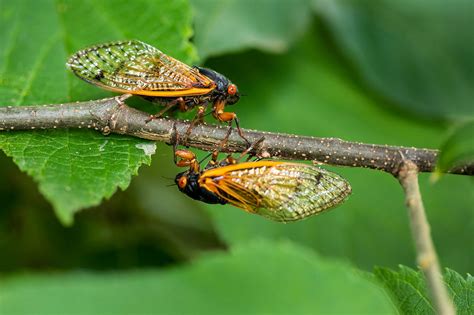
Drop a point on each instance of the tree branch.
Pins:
(427, 258)
(110, 116)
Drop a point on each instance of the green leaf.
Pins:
(462, 291)
(458, 149)
(408, 288)
(417, 54)
(410, 294)
(234, 25)
(308, 91)
(77, 169)
(259, 278)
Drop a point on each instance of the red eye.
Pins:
(232, 89)
(182, 182)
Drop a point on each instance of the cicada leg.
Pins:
(230, 160)
(121, 98)
(178, 101)
(219, 114)
(201, 112)
(186, 157)
(252, 147)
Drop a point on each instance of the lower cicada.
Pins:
(133, 67)
(280, 191)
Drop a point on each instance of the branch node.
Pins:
(106, 131)
(426, 260)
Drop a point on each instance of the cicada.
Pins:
(133, 67)
(280, 191)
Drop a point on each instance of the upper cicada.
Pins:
(134, 67)
(280, 191)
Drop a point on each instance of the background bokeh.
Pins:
(391, 72)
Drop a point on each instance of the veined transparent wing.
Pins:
(277, 190)
(138, 68)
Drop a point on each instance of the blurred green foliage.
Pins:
(231, 26)
(458, 149)
(349, 69)
(247, 280)
(417, 54)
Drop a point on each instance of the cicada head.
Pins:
(225, 89)
(188, 183)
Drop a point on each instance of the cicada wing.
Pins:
(137, 68)
(234, 193)
(282, 192)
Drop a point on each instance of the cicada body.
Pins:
(133, 67)
(280, 191)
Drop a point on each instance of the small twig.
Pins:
(427, 258)
(111, 116)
